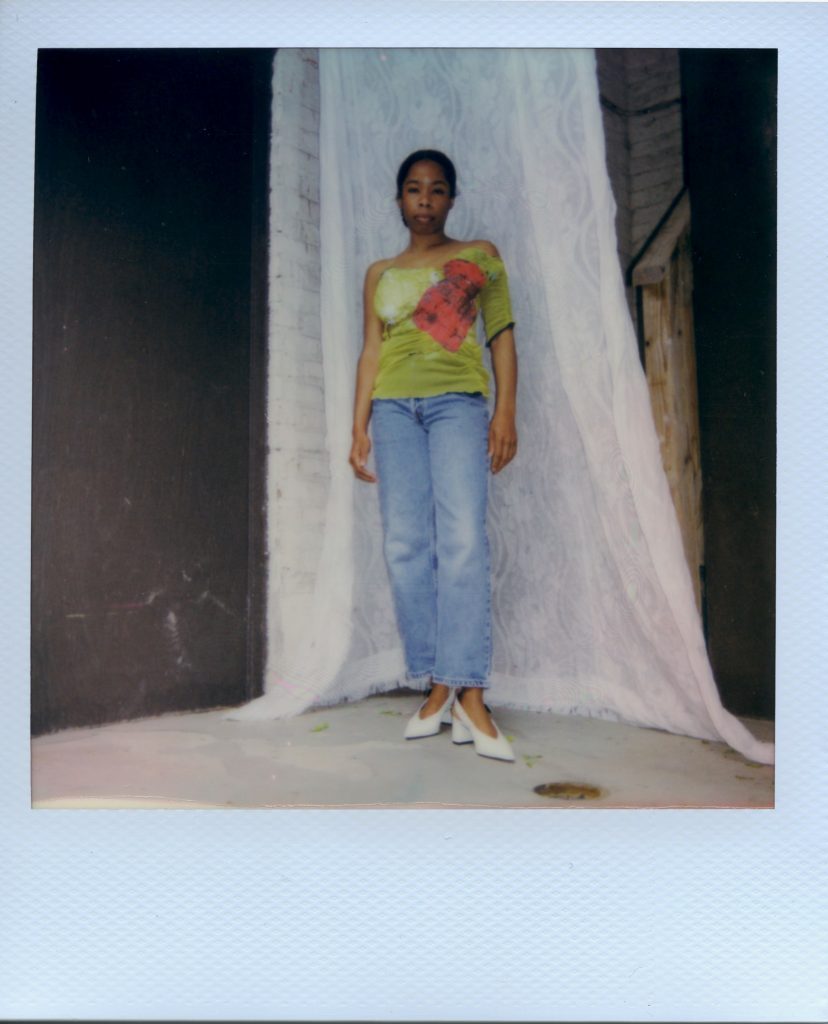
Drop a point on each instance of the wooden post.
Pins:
(665, 277)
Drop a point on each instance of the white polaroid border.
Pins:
(489, 915)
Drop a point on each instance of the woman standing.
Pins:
(422, 384)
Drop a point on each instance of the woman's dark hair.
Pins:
(436, 157)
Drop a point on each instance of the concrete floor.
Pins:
(354, 755)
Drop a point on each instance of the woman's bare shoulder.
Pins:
(376, 268)
(483, 243)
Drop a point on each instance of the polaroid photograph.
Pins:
(208, 366)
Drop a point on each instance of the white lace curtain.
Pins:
(593, 604)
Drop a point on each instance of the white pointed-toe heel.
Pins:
(418, 727)
(463, 730)
(459, 733)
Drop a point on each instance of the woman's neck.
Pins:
(422, 243)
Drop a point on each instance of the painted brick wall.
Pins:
(296, 402)
(641, 106)
(612, 84)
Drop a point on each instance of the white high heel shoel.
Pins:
(418, 727)
(463, 730)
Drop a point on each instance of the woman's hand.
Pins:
(360, 449)
(502, 439)
(367, 368)
(502, 431)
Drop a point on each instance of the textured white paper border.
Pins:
(487, 915)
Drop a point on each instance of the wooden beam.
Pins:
(655, 262)
(667, 311)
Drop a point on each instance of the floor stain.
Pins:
(569, 791)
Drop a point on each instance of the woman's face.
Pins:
(425, 201)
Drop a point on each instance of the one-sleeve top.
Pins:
(428, 314)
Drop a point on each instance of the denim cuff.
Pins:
(480, 683)
(419, 677)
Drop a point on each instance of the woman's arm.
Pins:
(502, 430)
(367, 368)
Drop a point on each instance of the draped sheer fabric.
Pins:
(593, 603)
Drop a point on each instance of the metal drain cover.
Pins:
(568, 791)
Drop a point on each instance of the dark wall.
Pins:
(730, 167)
(149, 350)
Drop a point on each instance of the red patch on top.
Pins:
(446, 310)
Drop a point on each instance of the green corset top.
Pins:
(429, 341)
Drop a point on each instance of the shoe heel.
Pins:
(459, 733)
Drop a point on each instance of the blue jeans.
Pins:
(433, 474)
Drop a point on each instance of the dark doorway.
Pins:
(730, 167)
(149, 351)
